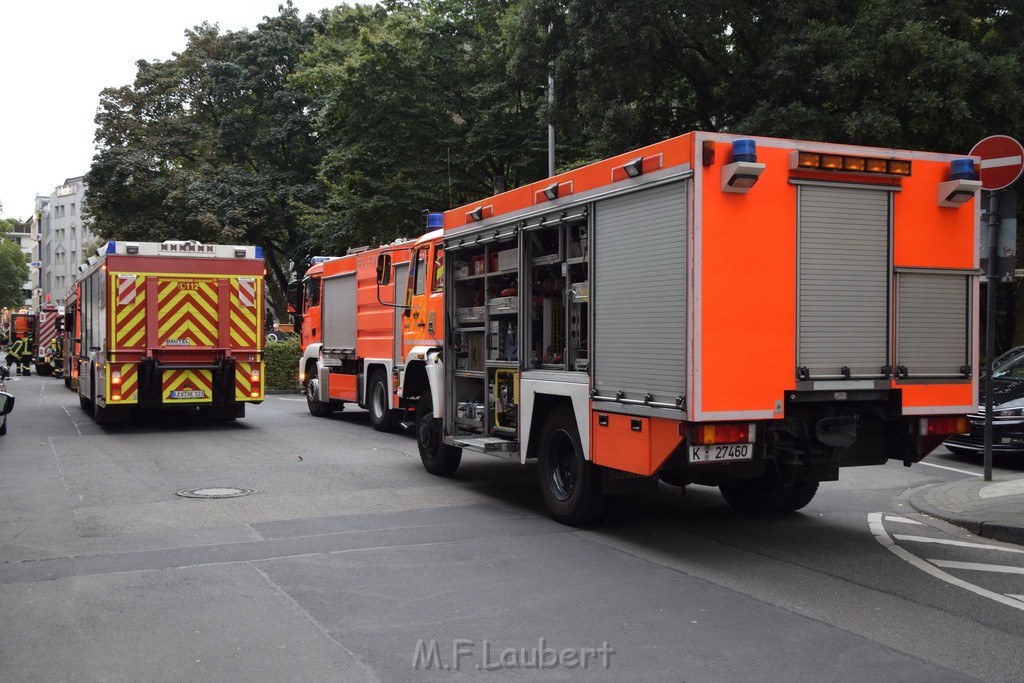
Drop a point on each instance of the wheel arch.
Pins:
(424, 374)
(539, 397)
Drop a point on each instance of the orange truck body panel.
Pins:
(743, 306)
(365, 304)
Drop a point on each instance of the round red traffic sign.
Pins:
(1002, 160)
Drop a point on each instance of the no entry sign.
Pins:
(1002, 159)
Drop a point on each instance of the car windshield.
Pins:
(1011, 369)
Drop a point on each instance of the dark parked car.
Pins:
(1007, 414)
(6, 406)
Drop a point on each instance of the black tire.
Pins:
(378, 402)
(569, 484)
(317, 408)
(438, 457)
(768, 493)
(3, 426)
(86, 403)
(101, 415)
(802, 494)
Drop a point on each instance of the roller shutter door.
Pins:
(931, 325)
(639, 292)
(843, 281)
(339, 312)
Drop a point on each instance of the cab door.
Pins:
(424, 299)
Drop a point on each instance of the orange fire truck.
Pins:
(348, 335)
(747, 313)
(168, 324)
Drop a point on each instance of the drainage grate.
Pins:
(216, 492)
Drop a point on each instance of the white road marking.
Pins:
(978, 567)
(73, 421)
(875, 522)
(1015, 597)
(902, 520)
(999, 162)
(1002, 488)
(962, 544)
(951, 469)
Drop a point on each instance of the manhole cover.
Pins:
(216, 492)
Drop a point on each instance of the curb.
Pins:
(979, 521)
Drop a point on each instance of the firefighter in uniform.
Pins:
(57, 357)
(21, 353)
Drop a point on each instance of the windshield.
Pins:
(1010, 369)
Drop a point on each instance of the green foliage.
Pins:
(212, 145)
(13, 274)
(417, 110)
(282, 364)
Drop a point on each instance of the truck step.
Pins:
(488, 444)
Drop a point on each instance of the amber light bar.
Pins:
(817, 161)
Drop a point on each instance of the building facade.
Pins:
(66, 240)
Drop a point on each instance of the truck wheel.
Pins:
(379, 403)
(569, 484)
(800, 496)
(86, 403)
(317, 408)
(100, 415)
(438, 457)
(766, 494)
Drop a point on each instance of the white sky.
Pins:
(56, 56)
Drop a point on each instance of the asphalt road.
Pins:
(351, 563)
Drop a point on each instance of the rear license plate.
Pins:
(188, 394)
(721, 452)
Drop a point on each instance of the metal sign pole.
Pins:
(990, 323)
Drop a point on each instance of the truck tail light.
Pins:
(115, 377)
(708, 434)
(255, 376)
(942, 426)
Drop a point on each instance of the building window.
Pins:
(72, 209)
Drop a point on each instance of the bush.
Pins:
(282, 364)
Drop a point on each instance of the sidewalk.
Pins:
(994, 509)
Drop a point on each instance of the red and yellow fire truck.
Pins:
(168, 324)
(350, 334)
(48, 326)
(747, 313)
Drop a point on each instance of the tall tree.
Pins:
(418, 110)
(13, 267)
(213, 145)
(911, 73)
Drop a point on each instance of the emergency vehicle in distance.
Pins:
(350, 339)
(747, 313)
(49, 326)
(158, 325)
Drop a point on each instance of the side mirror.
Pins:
(384, 270)
(294, 296)
(6, 403)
